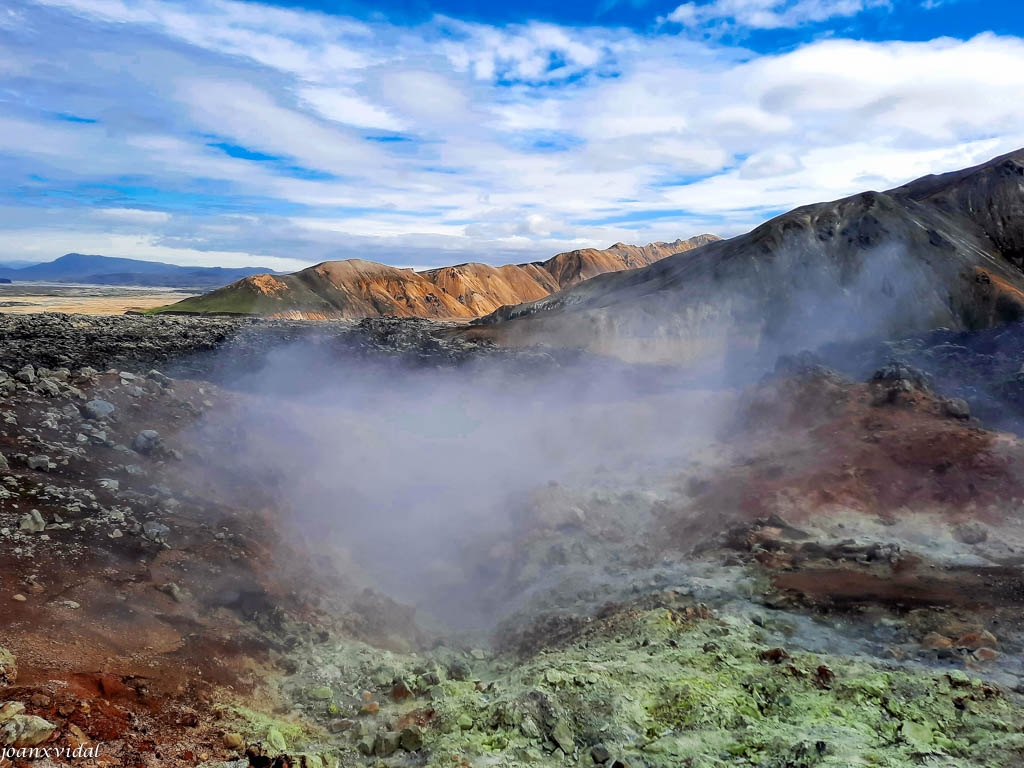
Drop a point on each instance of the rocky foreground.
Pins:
(835, 579)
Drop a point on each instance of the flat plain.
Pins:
(26, 298)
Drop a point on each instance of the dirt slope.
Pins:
(355, 288)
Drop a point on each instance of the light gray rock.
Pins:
(47, 387)
(26, 375)
(173, 591)
(40, 462)
(32, 522)
(99, 409)
(155, 531)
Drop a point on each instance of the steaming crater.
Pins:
(476, 551)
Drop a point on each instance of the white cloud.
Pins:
(515, 142)
(134, 216)
(428, 97)
(349, 108)
(254, 119)
(768, 14)
(46, 244)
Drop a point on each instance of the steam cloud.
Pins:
(406, 467)
(409, 468)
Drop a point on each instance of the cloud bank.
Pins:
(232, 133)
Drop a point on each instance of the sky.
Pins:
(223, 132)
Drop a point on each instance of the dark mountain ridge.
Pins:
(110, 270)
(942, 251)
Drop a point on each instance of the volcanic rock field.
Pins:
(812, 564)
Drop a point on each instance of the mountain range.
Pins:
(356, 288)
(107, 270)
(942, 251)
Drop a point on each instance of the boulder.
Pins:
(562, 735)
(99, 409)
(40, 462)
(386, 743)
(933, 641)
(972, 641)
(600, 754)
(957, 408)
(32, 522)
(9, 709)
(155, 531)
(173, 591)
(971, 533)
(147, 442)
(25, 731)
(411, 738)
(47, 387)
(275, 740)
(27, 375)
(233, 741)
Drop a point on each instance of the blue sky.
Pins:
(229, 132)
(881, 21)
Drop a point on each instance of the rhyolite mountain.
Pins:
(109, 270)
(942, 251)
(355, 288)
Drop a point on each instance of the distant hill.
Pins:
(107, 270)
(942, 251)
(355, 288)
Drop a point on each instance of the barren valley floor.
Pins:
(30, 298)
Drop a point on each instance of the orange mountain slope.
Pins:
(355, 288)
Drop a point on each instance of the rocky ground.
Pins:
(209, 346)
(833, 580)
